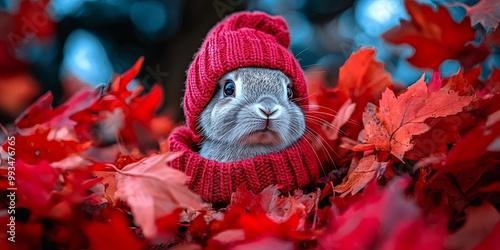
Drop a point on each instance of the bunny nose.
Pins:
(268, 113)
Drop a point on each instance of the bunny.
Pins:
(251, 113)
(244, 103)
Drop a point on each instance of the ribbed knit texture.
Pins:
(291, 168)
(247, 39)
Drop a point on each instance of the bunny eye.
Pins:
(229, 88)
(289, 92)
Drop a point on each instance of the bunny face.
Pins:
(251, 113)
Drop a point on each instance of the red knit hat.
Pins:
(247, 39)
(241, 40)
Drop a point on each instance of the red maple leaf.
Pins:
(277, 207)
(239, 228)
(168, 225)
(463, 83)
(338, 111)
(152, 189)
(449, 129)
(341, 118)
(38, 112)
(462, 155)
(36, 182)
(360, 174)
(392, 127)
(119, 86)
(141, 110)
(37, 146)
(114, 234)
(124, 113)
(491, 85)
(43, 114)
(417, 234)
(361, 79)
(469, 169)
(492, 241)
(436, 37)
(375, 220)
(480, 222)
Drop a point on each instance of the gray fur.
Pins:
(226, 122)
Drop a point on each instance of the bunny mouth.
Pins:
(264, 136)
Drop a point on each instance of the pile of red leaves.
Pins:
(404, 168)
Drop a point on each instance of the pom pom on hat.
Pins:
(247, 39)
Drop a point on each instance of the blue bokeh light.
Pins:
(59, 9)
(449, 68)
(86, 59)
(12, 6)
(377, 16)
(301, 31)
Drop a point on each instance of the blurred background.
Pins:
(64, 45)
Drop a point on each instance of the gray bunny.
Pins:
(251, 113)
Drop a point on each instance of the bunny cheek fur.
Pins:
(258, 119)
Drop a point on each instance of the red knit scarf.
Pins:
(291, 168)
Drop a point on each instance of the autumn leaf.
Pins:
(480, 222)
(242, 198)
(267, 242)
(492, 241)
(109, 181)
(114, 234)
(38, 182)
(343, 115)
(485, 12)
(119, 86)
(450, 129)
(372, 222)
(139, 115)
(492, 85)
(436, 37)
(392, 127)
(167, 225)
(41, 112)
(359, 175)
(240, 227)
(123, 113)
(269, 201)
(462, 82)
(444, 131)
(37, 147)
(362, 77)
(417, 234)
(152, 189)
(38, 112)
(463, 156)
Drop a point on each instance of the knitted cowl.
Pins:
(214, 181)
(247, 39)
